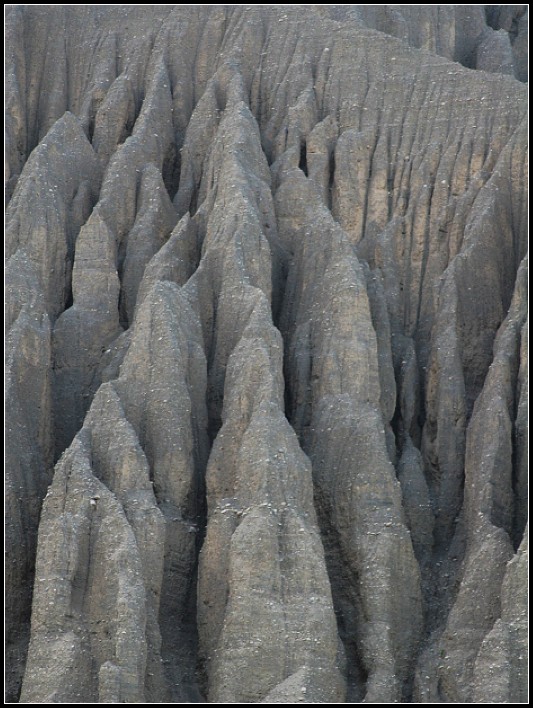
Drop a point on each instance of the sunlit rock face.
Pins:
(266, 354)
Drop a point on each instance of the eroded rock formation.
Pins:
(267, 354)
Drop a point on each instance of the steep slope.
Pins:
(267, 354)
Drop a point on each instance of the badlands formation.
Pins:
(266, 369)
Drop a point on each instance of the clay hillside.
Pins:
(266, 353)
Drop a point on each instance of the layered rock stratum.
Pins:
(267, 354)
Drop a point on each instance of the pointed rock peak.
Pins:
(67, 126)
(174, 261)
(153, 194)
(156, 111)
(67, 130)
(95, 243)
(55, 169)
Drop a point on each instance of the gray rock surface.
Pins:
(266, 321)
